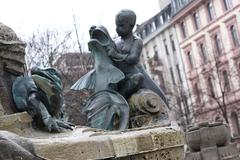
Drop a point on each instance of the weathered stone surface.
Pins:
(210, 153)
(19, 123)
(210, 141)
(80, 144)
(147, 108)
(7, 34)
(12, 52)
(192, 155)
(87, 143)
(230, 150)
(15, 147)
(83, 144)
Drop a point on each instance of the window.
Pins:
(168, 14)
(153, 26)
(196, 92)
(182, 2)
(176, 4)
(172, 43)
(185, 101)
(180, 107)
(210, 87)
(218, 44)
(184, 29)
(179, 73)
(147, 54)
(196, 19)
(210, 10)
(234, 35)
(172, 75)
(157, 22)
(203, 53)
(227, 4)
(235, 123)
(148, 29)
(166, 47)
(143, 33)
(163, 15)
(226, 83)
(190, 60)
(162, 82)
(161, 19)
(156, 57)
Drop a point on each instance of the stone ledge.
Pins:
(81, 144)
(89, 143)
(18, 123)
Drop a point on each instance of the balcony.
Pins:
(178, 5)
(154, 23)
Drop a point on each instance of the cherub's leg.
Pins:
(130, 85)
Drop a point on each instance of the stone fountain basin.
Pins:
(208, 135)
(89, 143)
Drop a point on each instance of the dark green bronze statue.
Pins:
(105, 105)
(127, 57)
(117, 75)
(41, 96)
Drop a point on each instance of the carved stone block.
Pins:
(210, 153)
(192, 156)
(19, 123)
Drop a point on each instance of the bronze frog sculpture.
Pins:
(41, 96)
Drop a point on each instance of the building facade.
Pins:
(162, 59)
(208, 34)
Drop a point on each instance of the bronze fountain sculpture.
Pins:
(117, 76)
(41, 96)
(120, 99)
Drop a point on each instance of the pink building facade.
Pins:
(209, 37)
(162, 59)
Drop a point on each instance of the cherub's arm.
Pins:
(135, 52)
(131, 58)
(114, 54)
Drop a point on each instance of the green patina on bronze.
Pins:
(41, 96)
(106, 108)
(117, 75)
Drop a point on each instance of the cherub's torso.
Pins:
(124, 46)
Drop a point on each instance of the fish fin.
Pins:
(114, 75)
(87, 81)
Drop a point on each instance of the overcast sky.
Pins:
(24, 16)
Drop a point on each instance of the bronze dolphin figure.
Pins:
(106, 107)
(105, 73)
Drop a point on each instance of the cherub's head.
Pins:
(125, 21)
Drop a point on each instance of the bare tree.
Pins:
(219, 87)
(45, 46)
(218, 77)
(83, 61)
(52, 48)
(182, 105)
(179, 99)
(77, 34)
